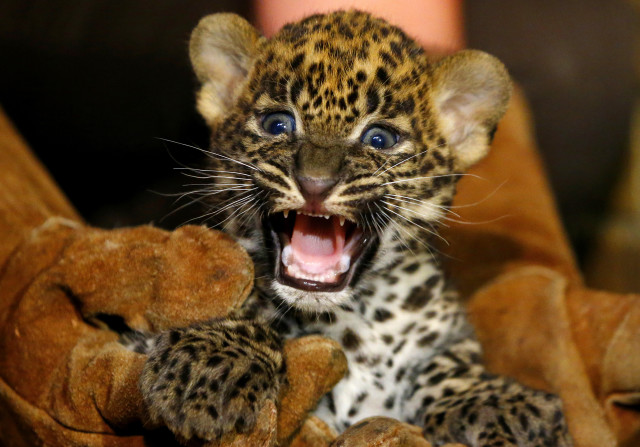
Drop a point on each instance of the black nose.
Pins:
(314, 186)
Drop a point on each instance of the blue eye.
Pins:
(278, 123)
(379, 138)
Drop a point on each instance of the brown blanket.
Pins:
(66, 381)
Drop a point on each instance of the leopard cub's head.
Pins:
(336, 143)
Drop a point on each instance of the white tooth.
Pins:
(342, 221)
(345, 263)
(327, 217)
(287, 256)
(286, 213)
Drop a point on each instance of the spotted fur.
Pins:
(210, 380)
(411, 352)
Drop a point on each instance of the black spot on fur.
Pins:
(447, 392)
(295, 63)
(389, 402)
(393, 280)
(408, 328)
(345, 31)
(399, 347)
(382, 315)
(388, 339)
(407, 106)
(411, 268)
(240, 425)
(327, 317)
(428, 400)
(504, 425)
(382, 75)
(189, 350)
(225, 374)
(437, 378)
(174, 337)
(388, 59)
(373, 100)
(243, 380)
(350, 340)
(295, 89)
(417, 299)
(331, 403)
(533, 409)
(396, 49)
(212, 412)
(524, 422)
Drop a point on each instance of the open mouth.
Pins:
(317, 252)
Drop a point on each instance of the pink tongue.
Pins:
(317, 243)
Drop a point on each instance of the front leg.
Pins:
(208, 380)
(454, 399)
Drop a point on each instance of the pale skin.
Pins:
(436, 24)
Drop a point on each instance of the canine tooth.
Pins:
(287, 256)
(342, 221)
(326, 217)
(286, 213)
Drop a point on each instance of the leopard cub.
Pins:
(335, 150)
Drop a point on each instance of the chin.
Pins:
(311, 302)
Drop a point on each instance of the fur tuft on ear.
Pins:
(222, 51)
(471, 90)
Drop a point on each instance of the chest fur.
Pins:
(397, 321)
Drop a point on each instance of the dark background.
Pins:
(91, 84)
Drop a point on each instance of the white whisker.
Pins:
(491, 194)
(211, 154)
(217, 171)
(409, 158)
(411, 201)
(211, 177)
(432, 177)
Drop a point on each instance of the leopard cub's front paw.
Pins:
(210, 380)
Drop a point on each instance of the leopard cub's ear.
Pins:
(222, 50)
(471, 90)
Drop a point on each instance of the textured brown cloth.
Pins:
(65, 381)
